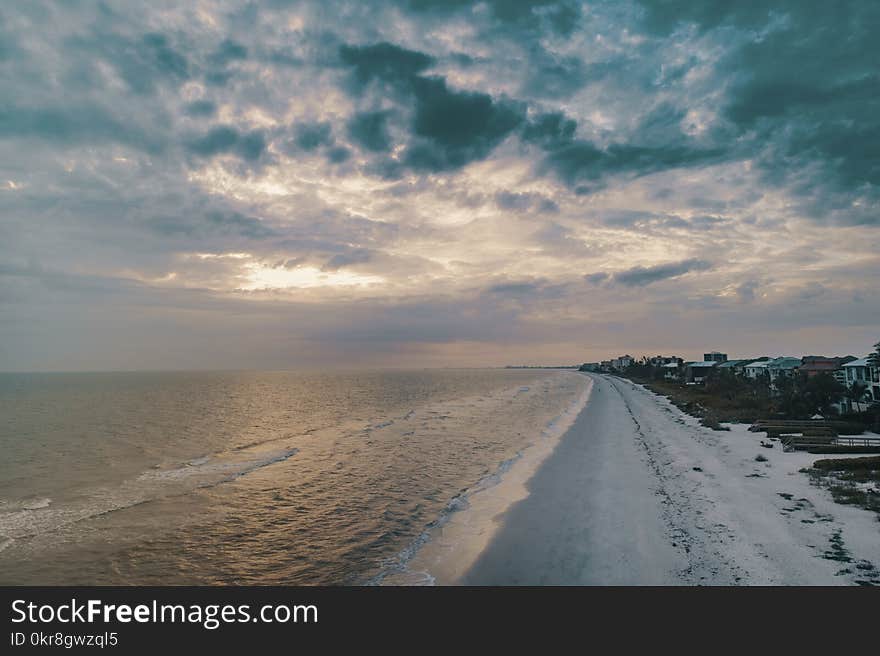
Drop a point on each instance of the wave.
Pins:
(461, 501)
(396, 571)
(19, 520)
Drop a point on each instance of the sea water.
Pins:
(252, 477)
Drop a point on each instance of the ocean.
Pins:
(246, 478)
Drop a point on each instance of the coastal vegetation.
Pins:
(851, 481)
(727, 397)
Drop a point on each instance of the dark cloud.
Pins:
(201, 109)
(212, 222)
(338, 155)
(529, 290)
(449, 128)
(555, 76)
(665, 15)
(72, 125)
(581, 161)
(369, 130)
(641, 276)
(217, 78)
(550, 130)
(557, 16)
(746, 290)
(657, 144)
(143, 62)
(227, 52)
(384, 61)
(596, 278)
(226, 139)
(165, 58)
(456, 128)
(342, 260)
(310, 136)
(524, 201)
(812, 121)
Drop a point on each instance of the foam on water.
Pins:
(450, 545)
(29, 518)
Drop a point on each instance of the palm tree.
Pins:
(874, 364)
(855, 393)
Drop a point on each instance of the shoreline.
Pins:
(639, 493)
(449, 546)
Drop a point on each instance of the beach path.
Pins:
(638, 493)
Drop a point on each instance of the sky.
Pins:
(424, 183)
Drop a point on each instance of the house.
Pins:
(756, 369)
(622, 362)
(874, 380)
(859, 371)
(856, 371)
(813, 365)
(732, 366)
(782, 366)
(672, 370)
(590, 366)
(715, 356)
(696, 373)
(662, 360)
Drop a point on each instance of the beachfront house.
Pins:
(696, 373)
(813, 365)
(622, 362)
(782, 367)
(672, 370)
(874, 382)
(715, 356)
(662, 360)
(840, 374)
(755, 370)
(732, 367)
(857, 372)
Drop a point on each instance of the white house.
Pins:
(698, 372)
(671, 370)
(856, 372)
(859, 372)
(783, 366)
(756, 370)
(874, 382)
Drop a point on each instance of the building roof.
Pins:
(730, 363)
(705, 364)
(758, 364)
(670, 365)
(861, 362)
(784, 362)
(821, 365)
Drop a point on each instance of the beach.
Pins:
(638, 493)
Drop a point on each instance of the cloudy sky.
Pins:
(435, 182)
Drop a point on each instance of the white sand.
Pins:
(638, 493)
